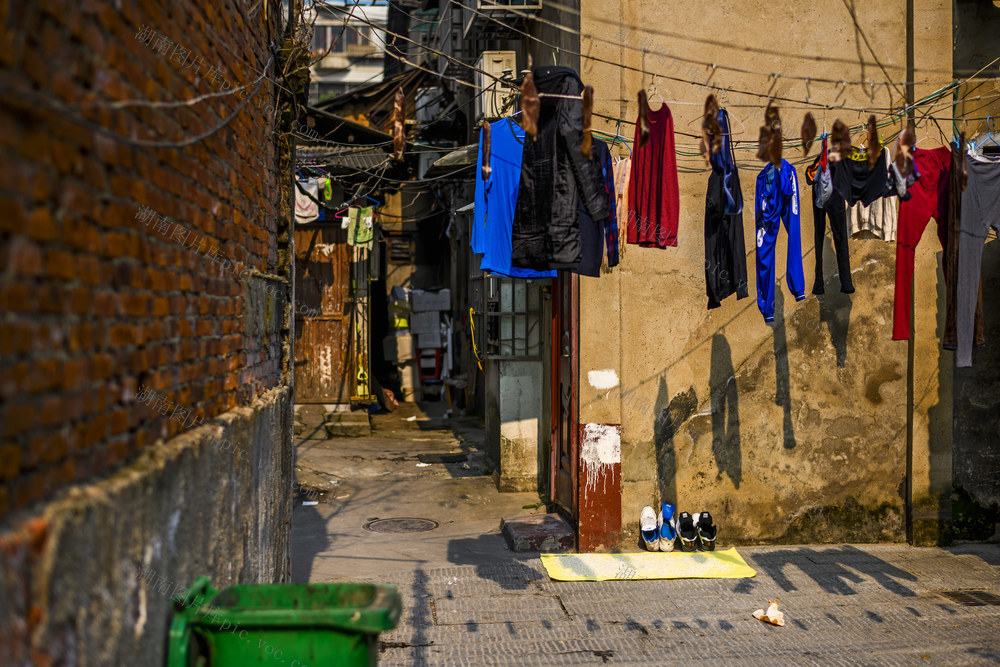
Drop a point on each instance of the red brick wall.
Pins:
(99, 304)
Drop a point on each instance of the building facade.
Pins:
(816, 427)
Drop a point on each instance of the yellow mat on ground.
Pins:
(726, 564)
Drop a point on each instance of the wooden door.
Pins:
(323, 363)
(564, 441)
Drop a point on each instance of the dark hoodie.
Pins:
(554, 177)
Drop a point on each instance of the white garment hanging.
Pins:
(307, 202)
(880, 218)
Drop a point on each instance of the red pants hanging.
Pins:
(929, 200)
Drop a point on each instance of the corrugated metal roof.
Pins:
(338, 156)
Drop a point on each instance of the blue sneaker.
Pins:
(668, 527)
(649, 528)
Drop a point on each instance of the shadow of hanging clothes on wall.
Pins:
(670, 414)
(835, 309)
(725, 411)
(782, 393)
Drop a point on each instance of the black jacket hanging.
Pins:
(554, 177)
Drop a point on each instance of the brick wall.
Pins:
(125, 269)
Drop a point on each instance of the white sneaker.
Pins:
(649, 528)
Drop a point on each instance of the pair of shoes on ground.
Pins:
(660, 532)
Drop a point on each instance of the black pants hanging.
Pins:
(836, 209)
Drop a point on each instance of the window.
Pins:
(512, 316)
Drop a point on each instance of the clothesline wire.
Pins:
(642, 70)
(701, 40)
(670, 55)
(12, 96)
(808, 103)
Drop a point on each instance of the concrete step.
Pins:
(537, 532)
(347, 424)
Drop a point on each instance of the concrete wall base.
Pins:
(88, 578)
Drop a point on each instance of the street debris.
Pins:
(306, 503)
(772, 615)
(423, 465)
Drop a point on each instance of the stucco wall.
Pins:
(791, 431)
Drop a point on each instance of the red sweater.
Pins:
(653, 198)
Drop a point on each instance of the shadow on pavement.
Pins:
(494, 562)
(829, 569)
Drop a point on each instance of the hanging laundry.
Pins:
(594, 234)
(777, 201)
(949, 237)
(828, 203)
(361, 228)
(856, 180)
(725, 249)
(928, 199)
(980, 211)
(880, 219)
(496, 199)
(611, 224)
(622, 169)
(554, 177)
(306, 200)
(653, 194)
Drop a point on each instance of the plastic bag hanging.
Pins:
(399, 125)
(711, 133)
(531, 106)
(808, 132)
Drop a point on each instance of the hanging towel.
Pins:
(306, 200)
(653, 195)
(880, 218)
(622, 169)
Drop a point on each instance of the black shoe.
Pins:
(707, 532)
(687, 533)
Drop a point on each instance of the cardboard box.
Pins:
(425, 323)
(398, 347)
(424, 301)
(428, 341)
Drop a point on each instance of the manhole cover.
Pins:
(400, 525)
(971, 598)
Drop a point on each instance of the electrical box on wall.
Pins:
(490, 102)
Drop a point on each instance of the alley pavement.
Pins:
(470, 601)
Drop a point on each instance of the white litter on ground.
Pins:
(772, 615)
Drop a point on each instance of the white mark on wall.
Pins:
(603, 380)
(601, 448)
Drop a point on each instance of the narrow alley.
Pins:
(469, 600)
(499, 332)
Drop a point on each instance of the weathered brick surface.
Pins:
(102, 299)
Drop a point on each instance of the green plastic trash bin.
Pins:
(296, 625)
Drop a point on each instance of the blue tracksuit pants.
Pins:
(776, 201)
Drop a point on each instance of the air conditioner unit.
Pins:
(491, 94)
(506, 5)
(430, 103)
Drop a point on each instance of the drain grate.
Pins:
(972, 598)
(400, 525)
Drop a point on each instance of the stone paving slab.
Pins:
(844, 605)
